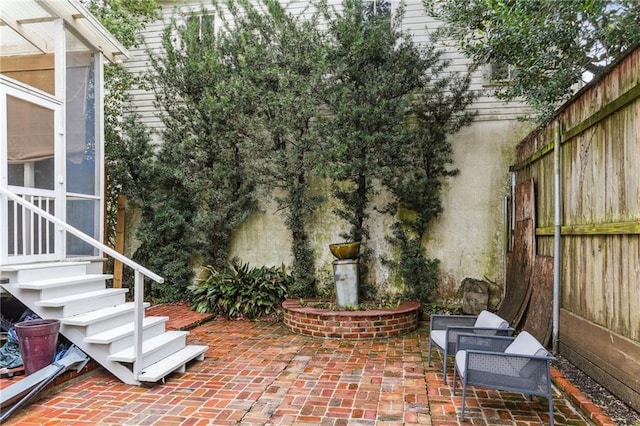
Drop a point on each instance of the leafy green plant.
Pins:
(241, 291)
(445, 309)
(551, 44)
(166, 233)
(419, 273)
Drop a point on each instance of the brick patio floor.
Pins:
(259, 373)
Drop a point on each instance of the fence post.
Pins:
(117, 265)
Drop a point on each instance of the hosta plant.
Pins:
(238, 290)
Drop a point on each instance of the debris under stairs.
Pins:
(98, 319)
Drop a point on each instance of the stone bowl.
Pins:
(345, 250)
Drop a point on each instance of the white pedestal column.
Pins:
(345, 273)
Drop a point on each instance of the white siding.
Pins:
(416, 21)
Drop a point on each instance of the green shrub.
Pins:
(240, 291)
(418, 272)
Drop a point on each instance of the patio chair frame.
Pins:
(455, 325)
(486, 365)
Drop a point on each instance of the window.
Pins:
(377, 8)
(205, 24)
(30, 144)
(498, 73)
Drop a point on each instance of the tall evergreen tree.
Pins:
(239, 109)
(390, 112)
(279, 61)
(202, 176)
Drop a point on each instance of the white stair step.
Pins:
(59, 302)
(99, 315)
(61, 282)
(174, 362)
(83, 302)
(40, 271)
(39, 265)
(123, 331)
(100, 320)
(65, 286)
(157, 347)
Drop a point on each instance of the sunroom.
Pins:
(51, 145)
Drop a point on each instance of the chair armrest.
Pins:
(441, 322)
(514, 365)
(501, 355)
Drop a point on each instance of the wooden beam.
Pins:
(120, 226)
(22, 63)
(35, 20)
(73, 19)
(29, 36)
(614, 228)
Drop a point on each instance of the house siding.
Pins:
(420, 25)
(466, 239)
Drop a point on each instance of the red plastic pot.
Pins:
(38, 340)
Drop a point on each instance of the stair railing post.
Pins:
(138, 299)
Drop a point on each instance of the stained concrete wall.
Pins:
(467, 238)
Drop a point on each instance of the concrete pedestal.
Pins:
(345, 273)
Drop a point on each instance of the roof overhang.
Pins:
(27, 27)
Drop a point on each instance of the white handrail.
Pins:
(140, 272)
(84, 237)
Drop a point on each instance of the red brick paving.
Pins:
(259, 373)
(180, 316)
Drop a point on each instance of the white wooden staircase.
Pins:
(99, 321)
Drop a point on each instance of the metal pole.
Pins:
(557, 260)
(506, 245)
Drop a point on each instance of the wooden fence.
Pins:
(599, 137)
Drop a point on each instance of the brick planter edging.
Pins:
(591, 410)
(355, 325)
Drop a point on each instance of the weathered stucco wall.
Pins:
(467, 238)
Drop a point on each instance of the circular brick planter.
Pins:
(350, 324)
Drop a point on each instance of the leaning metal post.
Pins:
(557, 234)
